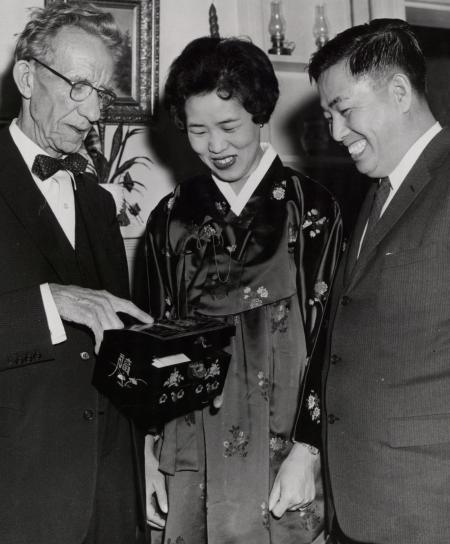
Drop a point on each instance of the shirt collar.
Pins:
(410, 158)
(28, 149)
(238, 202)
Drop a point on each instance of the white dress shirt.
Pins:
(409, 159)
(58, 193)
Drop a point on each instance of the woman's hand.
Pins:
(294, 487)
(156, 495)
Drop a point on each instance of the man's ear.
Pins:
(23, 76)
(401, 88)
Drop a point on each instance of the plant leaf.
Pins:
(116, 143)
(122, 216)
(125, 166)
(128, 182)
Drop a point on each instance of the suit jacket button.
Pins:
(85, 355)
(88, 415)
(345, 300)
(332, 419)
(335, 359)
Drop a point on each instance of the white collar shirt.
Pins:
(57, 190)
(409, 159)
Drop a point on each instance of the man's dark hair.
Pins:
(375, 49)
(234, 68)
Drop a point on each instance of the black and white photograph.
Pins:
(224, 272)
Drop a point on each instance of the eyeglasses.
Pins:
(80, 90)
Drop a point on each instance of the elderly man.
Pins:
(386, 379)
(68, 470)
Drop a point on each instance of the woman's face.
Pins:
(223, 135)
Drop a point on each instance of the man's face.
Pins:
(55, 122)
(365, 118)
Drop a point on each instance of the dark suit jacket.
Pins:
(49, 412)
(386, 397)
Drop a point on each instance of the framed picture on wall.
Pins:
(136, 84)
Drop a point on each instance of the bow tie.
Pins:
(44, 166)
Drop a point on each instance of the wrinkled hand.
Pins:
(156, 494)
(294, 485)
(94, 309)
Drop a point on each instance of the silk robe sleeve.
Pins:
(153, 283)
(319, 255)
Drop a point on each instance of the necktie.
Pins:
(379, 199)
(44, 166)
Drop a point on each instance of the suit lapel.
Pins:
(352, 252)
(105, 239)
(418, 178)
(31, 209)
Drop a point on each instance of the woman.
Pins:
(255, 243)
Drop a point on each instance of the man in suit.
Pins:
(68, 470)
(385, 408)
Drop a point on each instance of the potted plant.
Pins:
(116, 170)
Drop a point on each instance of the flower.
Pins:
(262, 292)
(320, 288)
(313, 406)
(174, 379)
(278, 193)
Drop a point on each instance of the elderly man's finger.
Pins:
(127, 307)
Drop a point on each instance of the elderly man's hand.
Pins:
(294, 487)
(95, 309)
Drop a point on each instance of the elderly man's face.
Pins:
(57, 123)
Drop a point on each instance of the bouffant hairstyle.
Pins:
(375, 49)
(36, 38)
(233, 67)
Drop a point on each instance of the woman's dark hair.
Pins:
(233, 67)
(374, 49)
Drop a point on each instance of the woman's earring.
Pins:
(261, 125)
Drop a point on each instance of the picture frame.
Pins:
(138, 77)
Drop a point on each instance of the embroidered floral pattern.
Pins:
(320, 292)
(206, 232)
(238, 443)
(310, 518)
(313, 223)
(280, 314)
(278, 446)
(265, 515)
(263, 384)
(255, 298)
(313, 405)
(279, 190)
(221, 207)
